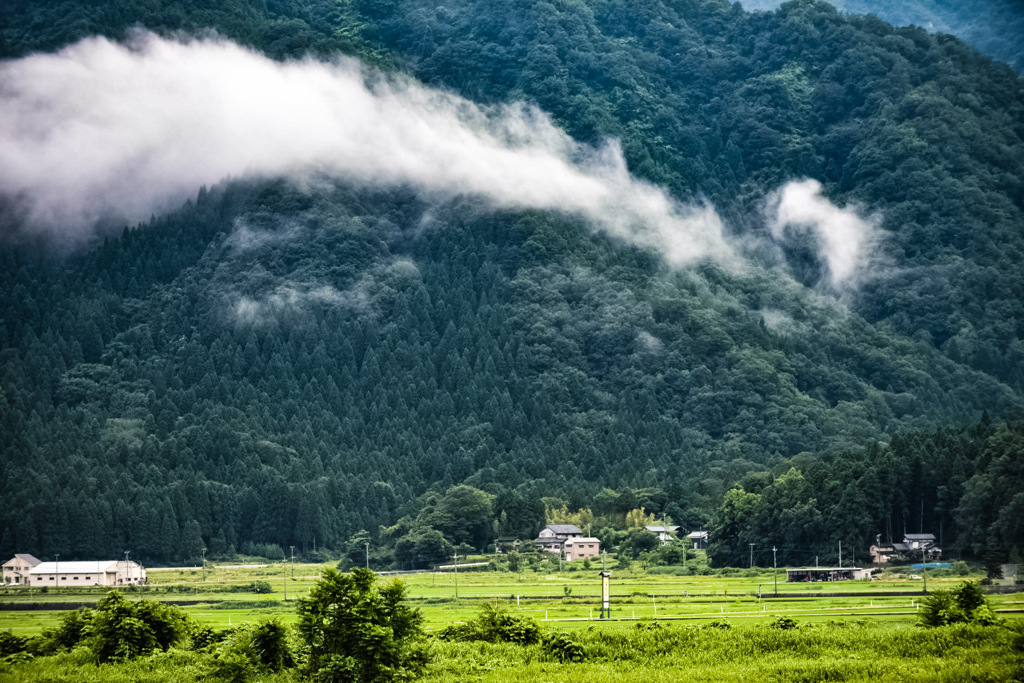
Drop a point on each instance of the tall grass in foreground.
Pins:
(679, 654)
(649, 652)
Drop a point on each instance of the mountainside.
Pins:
(995, 27)
(292, 361)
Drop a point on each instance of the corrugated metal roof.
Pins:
(93, 567)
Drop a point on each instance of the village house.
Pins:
(581, 547)
(699, 539)
(65, 574)
(553, 537)
(913, 547)
(666, 534)
(16, 569)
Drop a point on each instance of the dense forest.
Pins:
(280, 364)
(996, 27)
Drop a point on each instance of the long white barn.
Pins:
(72, 574)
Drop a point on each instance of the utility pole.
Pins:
(285, 580)
(57, 571)
(204, 563)
(751, 555)
(293, 561)
(775, 571)
(924, 568)
(840, 554)
(456, 559)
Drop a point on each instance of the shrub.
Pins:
(72, 629)
(964, 604)
(356, 631)
(562, 647)
(717, 623)
(261, 587)
(253, 650)
(11, 644)
(121, 629)
(494, 625)
(783, 622)
(959, 568)
(269, 640)
(205, 636)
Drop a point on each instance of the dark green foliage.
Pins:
(74, 627)
(357, 630)
(123, 629)
(494, 624)
(205, 636)
(270, 645)
(11, 644)
(964, 604)
(562, 647)
(995, 27)
(261, 587)
(783, 623)
(965, 481)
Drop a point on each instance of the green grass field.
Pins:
(868, 634)
(569, 595)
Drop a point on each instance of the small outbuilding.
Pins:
(813, 574)
(666, 534)
(699, 539)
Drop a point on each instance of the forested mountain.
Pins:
(290, 363)
(996, 27)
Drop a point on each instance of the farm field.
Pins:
(223, 598)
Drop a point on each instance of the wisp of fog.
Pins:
(104, 130)
(845, 239)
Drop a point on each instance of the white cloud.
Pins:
(845, 239)
(108, 131)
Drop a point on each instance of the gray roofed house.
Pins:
(699, 539)
(913, 546)
(666, 534)
(553, 537)
(16, 569)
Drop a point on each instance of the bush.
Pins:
(356, 631)
(966, 603)
(960, 568)
(783, 623)
(494, 625)
(121, 629)
(205, 636)
(250, 651)
(261, 587)
(561, 647)
(717, 623)
(11, 644)
(269, 640)
(72, 629)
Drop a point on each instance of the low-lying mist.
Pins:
(104, 132)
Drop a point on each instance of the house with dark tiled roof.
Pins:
(913, 547)
(553, 537)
